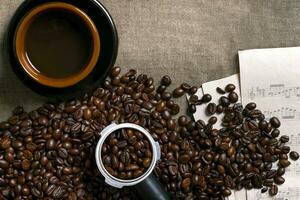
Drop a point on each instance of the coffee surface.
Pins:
(58, 44)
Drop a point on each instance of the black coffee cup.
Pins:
(97, 23)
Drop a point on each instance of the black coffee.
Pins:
(58, 43)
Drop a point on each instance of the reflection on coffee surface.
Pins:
(58, 44)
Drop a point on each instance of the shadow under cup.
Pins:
(62, 48)
(57, 44)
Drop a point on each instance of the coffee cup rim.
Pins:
(30, 68)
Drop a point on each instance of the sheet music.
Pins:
(287, 191)
(270, 78)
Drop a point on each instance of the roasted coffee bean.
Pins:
(212, 120)
(178, 92)
(273, 190)
(192, 108)
(284, 163)
(220, 109)
(264, 190)
(233, 97)
(275, 133)
(220, 90)
(279, 180)
(211, 108)
(284, 139)
(275, 122)
(175, 109)
(4, 164)
(224, 101)
(193, 98)
(185, 86)
(230, 88)
(206, 98)
(193, 90)
(166, 80)
(294, 155)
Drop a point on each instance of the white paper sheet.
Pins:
(271, 78)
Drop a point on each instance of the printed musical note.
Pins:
(284, 193)
(274, 91)
(285, 113)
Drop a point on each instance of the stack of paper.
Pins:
(271, 78)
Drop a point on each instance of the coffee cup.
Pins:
(62, 48)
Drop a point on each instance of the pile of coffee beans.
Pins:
(49, 153)
(126, 154)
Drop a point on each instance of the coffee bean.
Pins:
(67, 170)
(185, 86)
(211, 108)
(147, 162)
(284, 139)
(4, 164)
(25, 164)
(44, 160)
(224, 101)
(184, 158)
(279, 180)
(72, 196)
(192, 108)
(294, 155)
(273, 190)
(275, 122)
(178, 92)
(175, 109)
(115, 71)
(193, 90)
(226, 192)
(284, 163)
(193, 99)
(264, 190)
(58, 192)
(5, 143)
(36, 193)
(166, 80)
(186, 183)
(206, 98)
(230, 88)
(212, 120)
(233, 97)
(220, 90)
(50, 144)
(220, 109)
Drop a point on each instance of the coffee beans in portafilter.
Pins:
(126, 154)
(48, 153)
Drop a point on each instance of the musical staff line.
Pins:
(275, 91)
(285, 113)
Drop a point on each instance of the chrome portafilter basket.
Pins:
(146, 186)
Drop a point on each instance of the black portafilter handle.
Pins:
(150, 189)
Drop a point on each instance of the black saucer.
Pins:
(107, 58)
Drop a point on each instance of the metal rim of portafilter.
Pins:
(146, 186)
